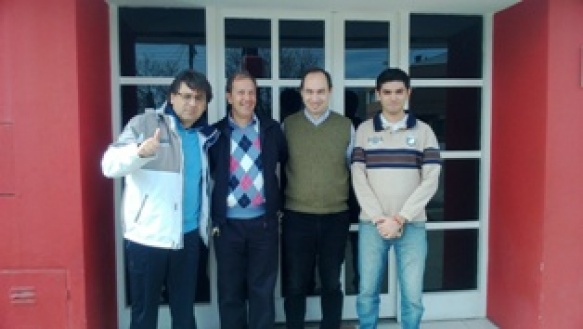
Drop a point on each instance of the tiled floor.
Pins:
(458, 324)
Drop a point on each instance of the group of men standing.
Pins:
(180, 172)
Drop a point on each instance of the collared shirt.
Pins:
(394, 126)
(322, 118)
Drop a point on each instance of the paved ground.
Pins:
(392, 324)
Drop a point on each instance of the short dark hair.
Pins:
(316, 70)
(241, 74)
(393, 74)
(195, 81)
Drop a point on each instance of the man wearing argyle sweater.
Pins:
(245, 206)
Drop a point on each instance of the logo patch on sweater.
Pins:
(410, 140)
(374, 140)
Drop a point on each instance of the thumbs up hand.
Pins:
(149, 146)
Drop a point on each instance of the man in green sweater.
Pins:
(316, 220)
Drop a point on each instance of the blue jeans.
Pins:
(411, 251)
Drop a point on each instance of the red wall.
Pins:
(535, 267)
(55, 209)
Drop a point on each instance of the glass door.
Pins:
(277, 50)
(364, 46)
(446, 56)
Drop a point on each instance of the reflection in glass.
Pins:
(135, 99)
(445, 46)
(248, 46)
(290, 101)
(359, 104)
(457, 197)
(161, 42)
(301, 47)
(264, 102)
(453, 113)
(366, 49)
(452, 260)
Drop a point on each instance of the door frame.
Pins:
(439, 305)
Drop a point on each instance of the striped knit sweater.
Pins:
(395, 172)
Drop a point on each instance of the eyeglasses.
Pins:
(189, 97)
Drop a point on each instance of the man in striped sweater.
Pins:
(395, 170)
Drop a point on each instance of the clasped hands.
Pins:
(389, 227)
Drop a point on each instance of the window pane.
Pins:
(453, 113)
(457, 197)
(135, 99)
(445, 46)
(161, 42)
(264, 101)
(248, 46)
(290, 101)
(360, 104)
(301, 47)
(367, 49)
(452, 260)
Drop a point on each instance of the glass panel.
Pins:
(301, 47)
(457, 197)
(452, 260)
(264, 101)
(161, 42)
(359, 104)
(366, 49)
(135, 99)
(248, 46)
(290, 101)
(453, 113)
(445, 46)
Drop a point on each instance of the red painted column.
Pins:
(535, 267)
(56, 228)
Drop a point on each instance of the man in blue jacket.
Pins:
(163, 157)
(245, 208)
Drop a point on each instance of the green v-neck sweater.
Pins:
(317, 171)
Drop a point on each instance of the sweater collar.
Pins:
(379, 126)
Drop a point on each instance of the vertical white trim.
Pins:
(402, 38)
(338, 64)
(220, 78)
(123, 314)
(213, 63)
(485, 174)
(275, 74)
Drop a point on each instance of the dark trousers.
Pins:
(247, 259)
(150, 269)
(309, 239)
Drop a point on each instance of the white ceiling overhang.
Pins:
(419, 6)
